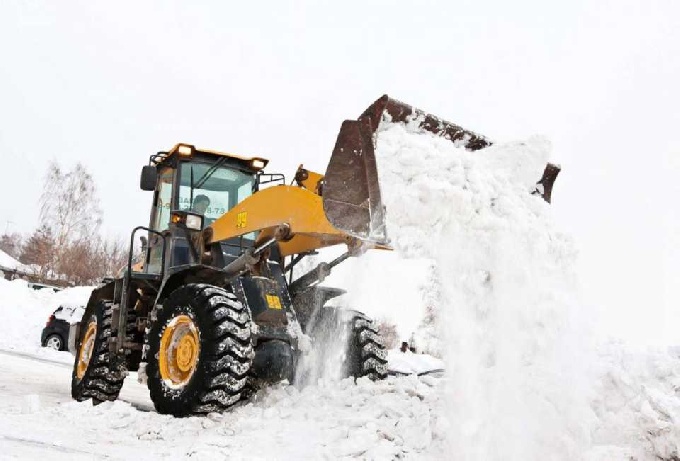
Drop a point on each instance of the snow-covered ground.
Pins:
(28, 310)
(527, 375)
(326, 421)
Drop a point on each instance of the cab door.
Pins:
(164, 199)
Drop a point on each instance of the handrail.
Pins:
(122, 317)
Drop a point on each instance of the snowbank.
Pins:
(517, 384)
(28, 310)
(637, 404)
(8, 262)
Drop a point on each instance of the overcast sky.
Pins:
(84, 82)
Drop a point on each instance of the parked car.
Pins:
(42, 286)
(56, 331)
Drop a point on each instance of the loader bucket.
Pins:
(351, 190)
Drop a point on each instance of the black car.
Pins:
(55, 333)
(42, 286)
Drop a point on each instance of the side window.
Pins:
(164, 202)
(245, 191)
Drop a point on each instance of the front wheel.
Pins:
(54, 341)
(95, 375)
(199, 351)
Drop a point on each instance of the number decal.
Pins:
(274, 302)
(241, 219)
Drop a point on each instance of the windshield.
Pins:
(212, 189)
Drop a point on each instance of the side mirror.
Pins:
(149, 177)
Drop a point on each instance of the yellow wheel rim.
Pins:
(178, 352)
(86, 348)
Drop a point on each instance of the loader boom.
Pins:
(264, 211)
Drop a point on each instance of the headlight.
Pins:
(189, 220)
(185, 150)
(194, 222)
(258, 164)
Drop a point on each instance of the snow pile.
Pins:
(6, 261)
(27, 311)
(526, 379)
(509, 323)
(638, 405)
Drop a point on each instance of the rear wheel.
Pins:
(344, 342)
(199, 351)
(95, 375)
(366, 354)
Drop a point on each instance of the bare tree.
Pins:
(39, 251)
(67, 246)
(69, 207)
(87, 261)
(114, 254)
(69, 204)
(11, 243)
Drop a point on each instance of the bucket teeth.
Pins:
(545, 185)
(392, 110)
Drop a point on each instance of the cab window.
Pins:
(211, 189)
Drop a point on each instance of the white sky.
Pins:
(108, 87)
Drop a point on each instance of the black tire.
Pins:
(224, 357)
(366, 353)
(55, 341)
(334, 329)
(102, 379)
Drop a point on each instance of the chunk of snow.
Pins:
(410, 363)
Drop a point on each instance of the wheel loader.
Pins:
(213, 308)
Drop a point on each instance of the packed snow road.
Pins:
(394, 418)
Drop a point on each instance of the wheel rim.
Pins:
(86, 349)
(179, 350)
(53, 342)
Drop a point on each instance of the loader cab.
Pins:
(192, 189)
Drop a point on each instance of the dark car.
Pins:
(42, 286)
(55, 333)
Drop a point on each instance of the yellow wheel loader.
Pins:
(214, 305)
